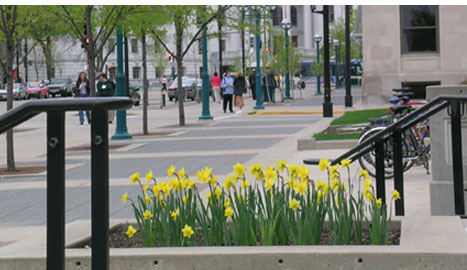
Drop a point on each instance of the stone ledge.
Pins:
(310, 143)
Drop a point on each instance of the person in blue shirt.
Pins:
(227, 90)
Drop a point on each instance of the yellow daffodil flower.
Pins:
(208, 196)
(320, 185)
(363, 173)
(171, 171)
(301, 188)
(239, 170)
(181, 173)
(303, 172)
(395, 195)
(145, 187)
(131, 231)
(213, 180)
(245, 184)
(228, 212)
(227, 203)
(378, 203)
(146, 198)
(323, 164)
(271, 174)
(147, 215)
(293, 171)
(257, 171)
(175, 184)
(345, 163)
(124, 197)
(281, 164)
(294, 204)
(135, 178)
(218, 192)
(156, 190)
(228, 183)
(369, 196)
(269, 184)
(367, 183)
(187, 231)
(185, 198)
(175, 214)
(149, 176)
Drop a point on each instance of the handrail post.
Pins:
(380, 182)
(457, 164)
(56, 190)
(100, 189)
(398, 170)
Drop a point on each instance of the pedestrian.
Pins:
(252, 81)
(83, 92)
(216, 87)
(239, 90)
(164, 83)
(227, 90)
(106, 88)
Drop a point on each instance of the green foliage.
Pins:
(237, 65)
(333, 136)
(337, 31)
(358, 117)
(278, 62)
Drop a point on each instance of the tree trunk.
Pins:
(145, 86)
(47, 49)
(10, 52)
(179, 58)
(91, 57)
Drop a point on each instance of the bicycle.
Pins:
(414, 149)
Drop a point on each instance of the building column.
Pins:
(307, 28)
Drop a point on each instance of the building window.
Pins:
(293, 15)
(223, 45)
(295, 41)
(331, 13)
(419, 29)
(136, 71)
(200, 46)
(113, 72)
(277, 16)
(134, 45)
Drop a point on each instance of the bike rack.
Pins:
(55, 110)
(455, 108)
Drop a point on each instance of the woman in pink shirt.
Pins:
(216, 87)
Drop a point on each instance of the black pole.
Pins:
(25, 60)
(243, 43)
(100, 190)
(380, 184)
(457, 164)
(56, 190)
(398, 170)
(219, 25)
(127, 72)
(327, 105)
(17, 60)
(348, 87)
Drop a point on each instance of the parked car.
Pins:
(37, 89)
(64, 87)
(135, 95)
(20, 91)
(188, 84)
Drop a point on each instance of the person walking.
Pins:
(164, 83)
(83, 91)
(239, 90)
(227, 90)
(106, 88)
(216, 87)
(252, 81)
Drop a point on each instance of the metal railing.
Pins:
(55, 109)
(455, 106)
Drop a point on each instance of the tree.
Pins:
(182, 18)
(337, 32)
(38, 64)
(99, 23)
(14, 24)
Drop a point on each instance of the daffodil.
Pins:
(363, 173)
(213, 180)
(245, 184)
(271, 174)
(181, 173)
(149, 176)
(175, 214)
(333, 171)
(135, 178)
(145, 187)
(291, 183)
(187, 231)
(239, 170)
(218, 192)
(228, 212)
(131, 231)
(369, 196)
(323, 164)
(303, 172)
(147, 215)
(293, 169)
(175, 184)
(228, 183)
(188, 183)
(227, 203)
(269, 184)
(345, 163)
(294, 204)
(156, 190)
(395, 195)
(147, 199)
(367, 182)
(124, 197)
(301, 188)
(208, 196)
(378, 203)
(185, 199)
(256, 170)
(281, 164)
(320, 185)
(171, 171)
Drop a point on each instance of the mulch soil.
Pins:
(118, 239)
(24, 170)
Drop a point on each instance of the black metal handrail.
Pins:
(455, 106)
(55, 110)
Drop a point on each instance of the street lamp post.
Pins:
(327, 105)
(286, 24)
(243, 41)
(121, 132)
(259, 98)
(205, 115)
(317, 38)
(336, 54)
(348, 94)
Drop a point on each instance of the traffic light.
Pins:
(85, 33)
(87, 40)
(266, 49)
(170, 56)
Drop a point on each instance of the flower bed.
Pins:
(282, 205)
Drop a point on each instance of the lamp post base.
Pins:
(348, 101)
(327, 109)
(258, 107)
(121, 136)
(205, 117)
(287, 98)
(121, 131)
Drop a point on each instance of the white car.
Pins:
(20, 91)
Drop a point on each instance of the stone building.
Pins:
(419, 45)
